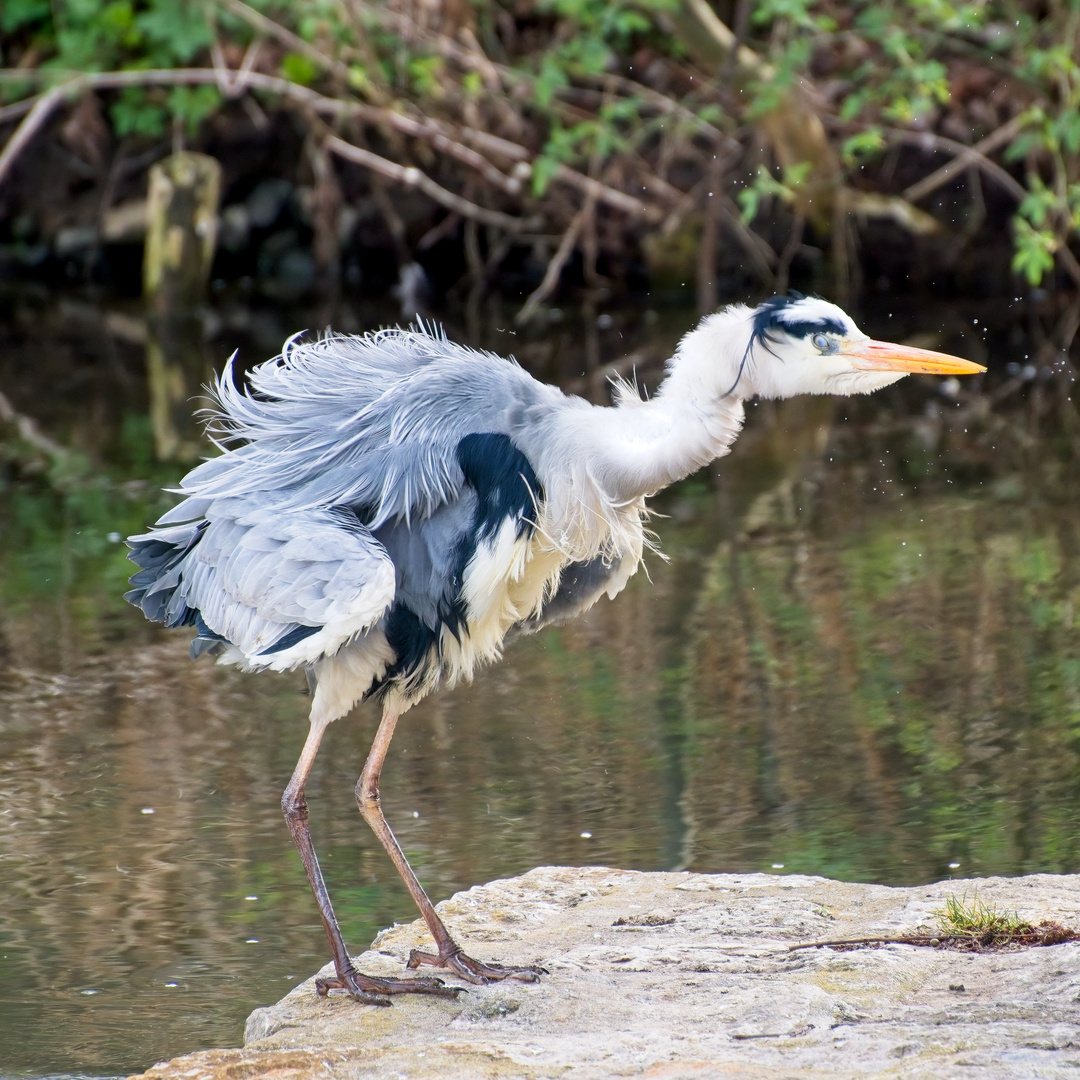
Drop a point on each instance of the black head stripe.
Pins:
(770, 316)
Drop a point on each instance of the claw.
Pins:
(475, 971)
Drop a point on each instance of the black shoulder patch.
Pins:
(503, 480)
(412, 642)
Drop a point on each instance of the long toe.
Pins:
(351, 987)
(376, 991)
(476, 971)
(434, 987)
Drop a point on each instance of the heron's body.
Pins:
(400, 504)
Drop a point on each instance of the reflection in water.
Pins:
(860, 661)
(177, 369)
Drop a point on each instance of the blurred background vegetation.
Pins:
(442, 145)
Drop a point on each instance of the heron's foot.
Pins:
(474, 971)
(373, 991)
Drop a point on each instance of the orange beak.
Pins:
(884, 356)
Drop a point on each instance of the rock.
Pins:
(680, 975)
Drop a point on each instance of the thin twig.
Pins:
(554, 267)
(287, 38)
(1006, 133)
(18, 108)
(411, 176)
(29, 432)
(793, 244)
(862, 941)
(971, 157)
(34, 120)
(760, 252)
(601, 192)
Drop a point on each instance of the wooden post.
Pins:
(181, 231)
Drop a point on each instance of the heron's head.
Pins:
(802, 345)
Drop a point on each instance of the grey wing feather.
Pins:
(255, 577)
(371, 422)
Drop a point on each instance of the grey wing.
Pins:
(580, 586)
(371, 422)
(282, 587)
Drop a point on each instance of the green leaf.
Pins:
(1034, 255)
(863, 145)
(193, 104)
(750, 201)
(298, 68)
(133, 113)
(543, 172)
(358, 78)
(178, 28)
(1038, 204)
(425, 75)
(472, 84)
(552, 77)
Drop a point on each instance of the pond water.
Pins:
(861, 659)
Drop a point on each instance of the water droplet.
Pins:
(586, 836)
(147, 809)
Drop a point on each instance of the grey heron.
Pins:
(390, 507)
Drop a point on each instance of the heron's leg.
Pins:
(449, 954)
(362, 987)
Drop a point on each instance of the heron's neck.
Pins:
(640, 447)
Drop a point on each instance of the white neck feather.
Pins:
(695, 416)
(623, 453)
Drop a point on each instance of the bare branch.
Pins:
(971, 156)
(28, 430)
(554, 267)
(34, 120)
(590, 187)
(413, 177)
(287, 38)
(964, 160)
(436, 134)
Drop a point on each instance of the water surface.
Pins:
(860, 659)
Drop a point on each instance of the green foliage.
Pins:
(136, 113)
(765, 185)
(862, 145)
(298, 68)
(18, 14)
(571, 68)
(425, 75)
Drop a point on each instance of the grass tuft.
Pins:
(976, 916)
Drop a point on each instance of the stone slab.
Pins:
(690, 975)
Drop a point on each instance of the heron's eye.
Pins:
(823, 344)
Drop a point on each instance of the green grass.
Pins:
(978, 920)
